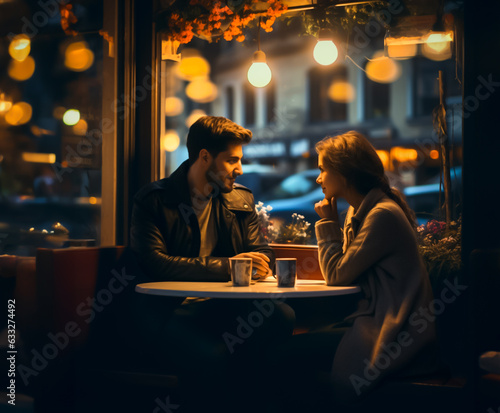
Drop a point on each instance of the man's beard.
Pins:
(217, 180)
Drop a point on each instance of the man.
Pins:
(185, 228)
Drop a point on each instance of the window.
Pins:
(249, 95)
(426, 85)
(230, 102)
(52, 126)
(324, 104)
(377, 100)
(270, 91)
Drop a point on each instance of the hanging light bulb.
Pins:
(259, 74)
(437, 44)
(325, 52)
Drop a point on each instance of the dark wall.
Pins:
(481, 176)
(481, 126)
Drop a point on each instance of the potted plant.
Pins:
(289, 241)
(440, 247)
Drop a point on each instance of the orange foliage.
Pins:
(221, 20)
(67, 18)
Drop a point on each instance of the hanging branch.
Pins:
(442, 132)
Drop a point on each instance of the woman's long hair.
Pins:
(353, 156)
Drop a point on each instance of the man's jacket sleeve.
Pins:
(148, 244)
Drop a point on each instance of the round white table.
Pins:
(261, 289)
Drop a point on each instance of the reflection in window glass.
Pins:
(50, 162)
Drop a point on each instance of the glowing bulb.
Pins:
(20, 47)
(325, 52)
(438, 41)
(259, 74)
(71, 117)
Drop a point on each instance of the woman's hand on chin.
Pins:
(327, 208)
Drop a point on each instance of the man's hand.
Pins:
(260, 262)
(327, 208)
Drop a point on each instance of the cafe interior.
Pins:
(96, 101)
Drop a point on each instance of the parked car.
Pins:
(258, 178)
(426, 199)
(297, 193)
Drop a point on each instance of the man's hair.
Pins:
(214, 133)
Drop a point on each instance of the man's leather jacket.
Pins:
(165, 234)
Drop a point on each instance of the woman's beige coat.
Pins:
(393, 326)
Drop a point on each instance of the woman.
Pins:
(392, 331)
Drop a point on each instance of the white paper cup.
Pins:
(286, 271)
(241, 271)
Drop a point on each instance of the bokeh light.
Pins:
(383, 69)
(201, 90)
(78, 57)
(401, 154)
(80, 128)
(20, 47)
(384, 157)
(5, 103)
(402, 51)
(21, 70)
(36, 157)
(19, 114)
(59, 112)
(170, 141)
(71, 117)
(434, 154)
(173, 106)
(341, 91)
(192, 65)
(429, 51)
(194, 116)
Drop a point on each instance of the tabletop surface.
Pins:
(262, 289)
